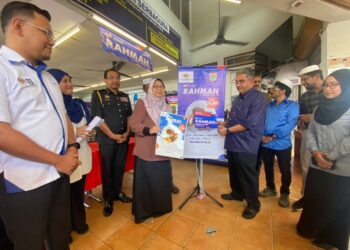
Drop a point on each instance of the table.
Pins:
(94, 178)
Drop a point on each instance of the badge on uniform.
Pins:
(107, 97)
(124, 99)
(25, 82)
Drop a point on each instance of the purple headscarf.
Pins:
(155, 105)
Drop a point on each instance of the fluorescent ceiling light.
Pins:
(162, 56)
(67, 35)
(78, 89)
(155, 72)
(118, 30)
(235, 1)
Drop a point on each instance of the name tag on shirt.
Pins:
(124, 99)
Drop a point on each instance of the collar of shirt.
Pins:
(110, 92)
(246, 94)
(14, 58)
(286, 100)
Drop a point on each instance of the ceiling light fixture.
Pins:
(78, 89)
(234, 1)
(67, 35)
(162, 56)
(118, 30)
(155, 72)
(297, 3)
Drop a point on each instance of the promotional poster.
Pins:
(201, 97)
(171, 138)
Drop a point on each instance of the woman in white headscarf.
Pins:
(152, 175)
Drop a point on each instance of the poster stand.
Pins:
(199, 191)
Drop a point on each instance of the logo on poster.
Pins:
(186, 77)
(213, 76)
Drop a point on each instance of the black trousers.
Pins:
(5, 243)
(244, 177)
(113, 165)
(326, 213)
(78, 213)
(259, 160)
(283, 159)
(37, 216)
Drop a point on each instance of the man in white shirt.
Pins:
(37, 145)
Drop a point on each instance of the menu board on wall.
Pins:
(138, 18)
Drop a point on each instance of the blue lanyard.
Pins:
(39, 70)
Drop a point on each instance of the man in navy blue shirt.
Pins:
(281, 118)
(243, 133)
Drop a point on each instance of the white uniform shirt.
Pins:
(31, 102)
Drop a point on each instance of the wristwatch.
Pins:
(228, 131)
(76, 145)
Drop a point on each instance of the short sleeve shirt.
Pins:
(31, 102)
(114, 109)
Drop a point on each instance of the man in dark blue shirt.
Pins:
(243, 133)
(281, 118)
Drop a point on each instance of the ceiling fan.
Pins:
(220, 39)
(116, 66)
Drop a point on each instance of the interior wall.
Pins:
(176, 24)
(335, 45)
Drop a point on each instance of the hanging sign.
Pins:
(138, 18)
(111, 43)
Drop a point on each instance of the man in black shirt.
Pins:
(311, 78)
(112, 135)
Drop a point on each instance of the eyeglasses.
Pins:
(48, 32)
(238, 82)
(113, 78)
(331, 85)
(158, 86)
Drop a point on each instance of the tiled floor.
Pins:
(273, 228)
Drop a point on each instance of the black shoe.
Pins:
(174, 188)
(83, 230)
(249, 213)
(108, 208)
(322, 245)
(298, 205)
(123, 198)
(284, 200)
(231, 196)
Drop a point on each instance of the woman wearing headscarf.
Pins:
(326, 213)
(79, 115)
(152, 175)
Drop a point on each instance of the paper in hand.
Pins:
(93, 124)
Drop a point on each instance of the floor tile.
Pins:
(254, 232)
(129, 236)
(203, 241)
(178, 229)
(156, 242)
(287, 239)
(237, 244)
